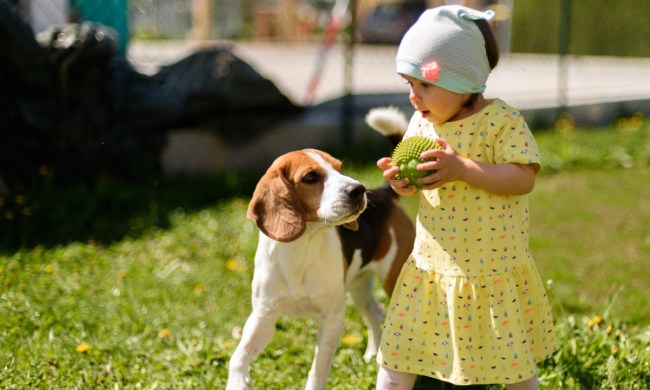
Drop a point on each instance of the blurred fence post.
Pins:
(504, 25)
(202, 19)
(564, 39)
(348, 98)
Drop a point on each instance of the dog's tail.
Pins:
(391, 123)
(388, 121)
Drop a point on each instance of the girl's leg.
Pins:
(388, 379)
(528, 384)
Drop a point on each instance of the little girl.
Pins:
(469, 306)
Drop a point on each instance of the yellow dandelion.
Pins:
(43, 170)
(614, 350)
(199, 289)
(594, 321)
(232, 265)
(83, 347)
(20, 199)
(609, 329)
(49, 269)
(351, 339)
(9, 215)
(566, 126)
(2, 270)
(27, 211)
(164, 333)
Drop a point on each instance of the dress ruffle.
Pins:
(468, 329)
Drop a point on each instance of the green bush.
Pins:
(597, 27)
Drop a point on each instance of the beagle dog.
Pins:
(322, 234)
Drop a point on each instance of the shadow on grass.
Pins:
(110, 210)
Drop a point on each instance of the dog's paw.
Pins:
(238, 382)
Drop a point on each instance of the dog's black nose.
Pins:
(355, 192)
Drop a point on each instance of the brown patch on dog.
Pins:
(405, 239)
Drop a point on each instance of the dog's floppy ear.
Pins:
(275, 208)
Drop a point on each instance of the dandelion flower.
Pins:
(83, 347)
(49, 269)
(594, 321)
(609, 329)
(164, 333)
(43, 170)
(232, 265)
(351, 340)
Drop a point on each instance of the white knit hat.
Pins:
(446, 48)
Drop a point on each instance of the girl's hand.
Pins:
(400, 186)
(449, 166)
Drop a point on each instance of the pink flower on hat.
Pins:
(431, 71)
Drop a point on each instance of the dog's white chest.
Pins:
(299, 278)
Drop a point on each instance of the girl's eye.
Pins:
(422, 84)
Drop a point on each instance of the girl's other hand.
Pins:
(400, 186)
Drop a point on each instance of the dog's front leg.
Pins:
(329, 335)
(256, 335)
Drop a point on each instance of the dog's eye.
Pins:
(311, 178)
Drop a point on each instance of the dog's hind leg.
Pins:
(256, 335)
(361, 291)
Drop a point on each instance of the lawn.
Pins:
(148, 286)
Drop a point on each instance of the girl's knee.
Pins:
(388, 379)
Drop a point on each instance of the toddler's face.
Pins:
(436, 104)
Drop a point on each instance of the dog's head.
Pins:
(305, 186)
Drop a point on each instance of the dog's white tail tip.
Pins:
(387, 120)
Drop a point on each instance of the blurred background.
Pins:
(135, 131)
(198, 86)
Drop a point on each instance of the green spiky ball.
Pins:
(406, 156)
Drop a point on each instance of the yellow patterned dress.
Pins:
(469, 306)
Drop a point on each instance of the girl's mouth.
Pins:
(424, 113)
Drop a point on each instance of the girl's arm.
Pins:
(502, 179)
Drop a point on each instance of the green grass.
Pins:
(154, 280)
